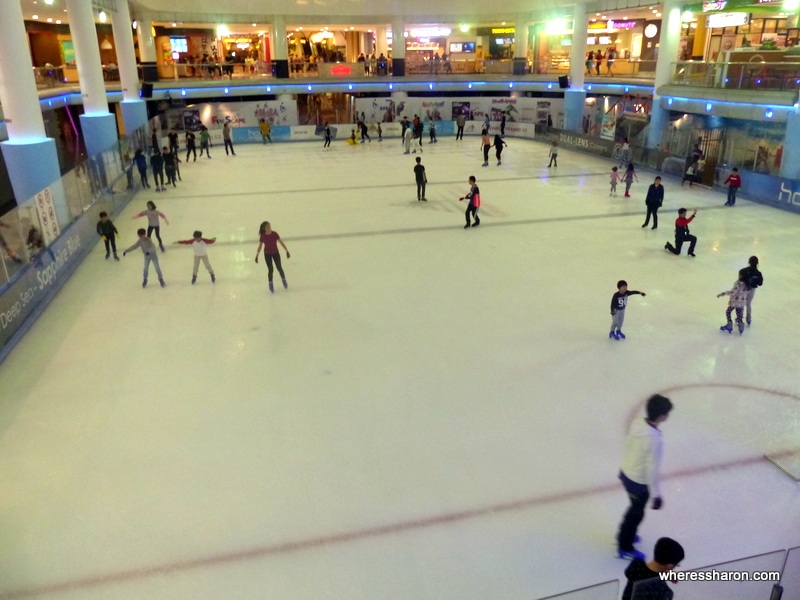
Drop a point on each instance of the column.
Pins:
(280, 49)
(667, 54)
(147, 47)
(398, 47)
(575, 96)
(27, 143)
(790, 161)
(98, 125)
(699, 44)
(521, 46)
(134, 110)
(382, 42)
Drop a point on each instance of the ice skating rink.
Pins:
(428, 412)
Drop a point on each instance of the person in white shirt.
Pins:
(641, 471)
(199, 243)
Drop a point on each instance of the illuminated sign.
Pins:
(503, 30)
(715, 5)
(727, 19)
(651, 31)
(621, 24)
(600, 25)
(429, 32)
(341, 70)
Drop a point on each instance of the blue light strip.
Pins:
(707, 101)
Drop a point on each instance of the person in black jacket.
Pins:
(107, 230)
(753, 279)
(682, 233)
(157, 165)
(645, 578)
(654, 200)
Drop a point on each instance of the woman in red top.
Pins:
(269, 240)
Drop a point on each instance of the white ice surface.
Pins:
(426, 413)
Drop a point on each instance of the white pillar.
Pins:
(18, 93)
(577, 54)
(382, 43)
(87, 56)
(521, 37)
(667, 54)
(280, 48)
(398, 38)
(126, 55)
(147, 43)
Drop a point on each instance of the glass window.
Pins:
(730, 30)
(770, 26)
(756, 25)
(744, 29)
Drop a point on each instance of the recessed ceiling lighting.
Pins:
(624, 18)
(593, 20)
(503, 23)
(58, 21)
(48, 2)
(174, 24)
(351, 29)
(102, 16)
(254, 24)
(658, 14)
(596, 14)
(49, 20)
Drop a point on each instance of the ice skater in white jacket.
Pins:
(641, 471)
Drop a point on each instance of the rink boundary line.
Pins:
(258, 552)
(381, 186)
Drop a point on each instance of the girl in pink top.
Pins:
(269, 240)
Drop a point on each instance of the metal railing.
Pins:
(755, 74)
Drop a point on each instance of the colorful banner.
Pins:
(240, 114)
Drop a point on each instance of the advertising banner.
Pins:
(240, 114)
(46, 212)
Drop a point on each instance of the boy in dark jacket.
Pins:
(644, 579)
(106, 229)
(157, 165)
(654, 200)
(141, 164)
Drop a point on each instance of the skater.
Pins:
(474, 197)
(625, 153)
(226, 138)
(264, 127)
(352, 139)
(407, 140)
(157, 165)
(173, 141)
(422, 180)
(734, 182)
(630, 175)
(269, 240)
(169, 165)
(327, 136)
(641, 471)
(418, 129)
(487, 124)
(150, 256)
(379, 130)
(690, 173)
(365, 132)
(153, 215)
(205, 141)
(486, 143)
(738, 299)
(107, 230)
(618, 303)
(682, 233)
(754, 280)
(498, 147)
(177, 166)
(647, 580)
(553, 154)
(615, 177)
(199, 244)
(141, 164)
(191, 147)
(432, 132)
(503, 124)
(653, 201)
(461, 120)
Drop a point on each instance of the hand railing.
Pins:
(754, 74)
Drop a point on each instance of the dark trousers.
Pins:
(269, 259)
(170, 176)
(173, 149)
(460, 133)
(498, 151)
(486, 153)
(158, 176)
(111, 243)
(150, 231)
(191, 150)
(229, 143)
(327, 142)
(638, 494)
(553, 160)
(472, 210)
(739, 314)
(420, 189)
(732, 194)
(143, 177)
(679, 244)
(204, 147)
(651, 210)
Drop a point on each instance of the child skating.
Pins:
(615, 177)
(153, 216)
(474, 197)
(422, 180)
(618, 303)
(630, 175)
(498, 147)
(553, 155)
(199, 244)
(269, 240)
(754, 280)
(486, 144)
(738, 299)
(150, 256)
(107, 230)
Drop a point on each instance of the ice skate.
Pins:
(285, 284)
(620, 335)
(162, 282)
(144, 283)
(612, 335)
(728, 327)
(271, 288)
(213, 278)
(630, 554)
(194, 279)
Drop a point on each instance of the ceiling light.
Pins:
(135, 24)
(351, 29)
(35, 16)
(174, 24)
(49, 20)
(658, 14)
(48, 2)
(102, 16)
(596, 14)
(594, 20)
(58, 21)
(254, 24)
(503, 23)
(464, 28)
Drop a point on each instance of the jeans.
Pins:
(158, 176)
(143, 177)
(486, 153)
(617, 319)
(152, 258)
(227, 144)
(276, 258)
(553, 160)
(191, 150)
(638, 494)
(460, 133)
(732, 194)
(111, 243)
(151, 229)
(420, 190)
(750, 293)
(472, 210)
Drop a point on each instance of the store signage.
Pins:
(341, 70)
(716, 5)
(727, 20)
(600, 25)
(429, 32)
(769, 1)
(503, 30)
(621, 24)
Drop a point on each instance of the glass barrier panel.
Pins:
(791, 575)
(743, 579)
(608, 590)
